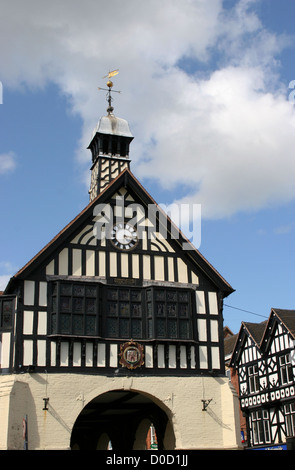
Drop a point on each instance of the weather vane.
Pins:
(109, 89)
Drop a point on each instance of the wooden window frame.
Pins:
(260, 427)
(286, 372)
(254, 384)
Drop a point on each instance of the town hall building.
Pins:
(114, 326)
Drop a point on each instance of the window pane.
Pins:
(135, 310)
(7, 309)
(150, 328)
(183, 310)
(78, 325)
(161, 327)
(90, 325)
(183, 296)
(124, 309)
(160, 295)
(160, 310)
(91, 291)
(112, 308)
(171, 310)
(171, 296)
(66, 289)
(136, 329)
(78, 290)
(135, 296)
(124, 295)
(260, 431)
(184, 329)
(124, 328)
(90, 305)
(65, 304)
(172, 329)
(53, 324)
(53, 304)
(149, 295)
(112, 327)
(112, 294)
(149, 310)
(65, 324)
(77, 304)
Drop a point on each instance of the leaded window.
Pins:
(123, 312)
(6, 312)
(169, 313)
(74, 308)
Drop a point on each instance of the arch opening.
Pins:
(121, 420)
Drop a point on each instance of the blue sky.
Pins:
(205, 90)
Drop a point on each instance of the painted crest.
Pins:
(131, 355)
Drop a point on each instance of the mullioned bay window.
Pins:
(120, 312)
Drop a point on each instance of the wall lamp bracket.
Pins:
(46, 400)
(206, 404)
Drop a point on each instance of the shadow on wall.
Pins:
(21, 405)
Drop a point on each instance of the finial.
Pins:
(110, 85)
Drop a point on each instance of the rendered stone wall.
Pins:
(216, 428)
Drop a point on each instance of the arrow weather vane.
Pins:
(109, 90)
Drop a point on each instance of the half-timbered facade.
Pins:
(114, 303)
(264, 359)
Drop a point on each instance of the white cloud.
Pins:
(233, 147)
(7, 162)
(228, 135)
(4, 281)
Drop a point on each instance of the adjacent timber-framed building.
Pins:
(263, 359)
(113, 326)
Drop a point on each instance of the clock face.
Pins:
(124, 236)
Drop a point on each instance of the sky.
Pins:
(206, 87)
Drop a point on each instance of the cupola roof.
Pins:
(113, 125)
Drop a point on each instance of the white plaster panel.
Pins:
(64, 354)
(29, 292)
(41, 354)
(203, 357)
(161, 356)
(202, 329)
(113, 355)
(77, 354)
(172, 356)
(63, 262)
(43, 294)
(213, 308)
(27, 352)
(200, 302)
(89, 355)
(42, 323)
(28, 322)
(149, 356)
(101, 355)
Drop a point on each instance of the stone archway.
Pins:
(122, 418)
